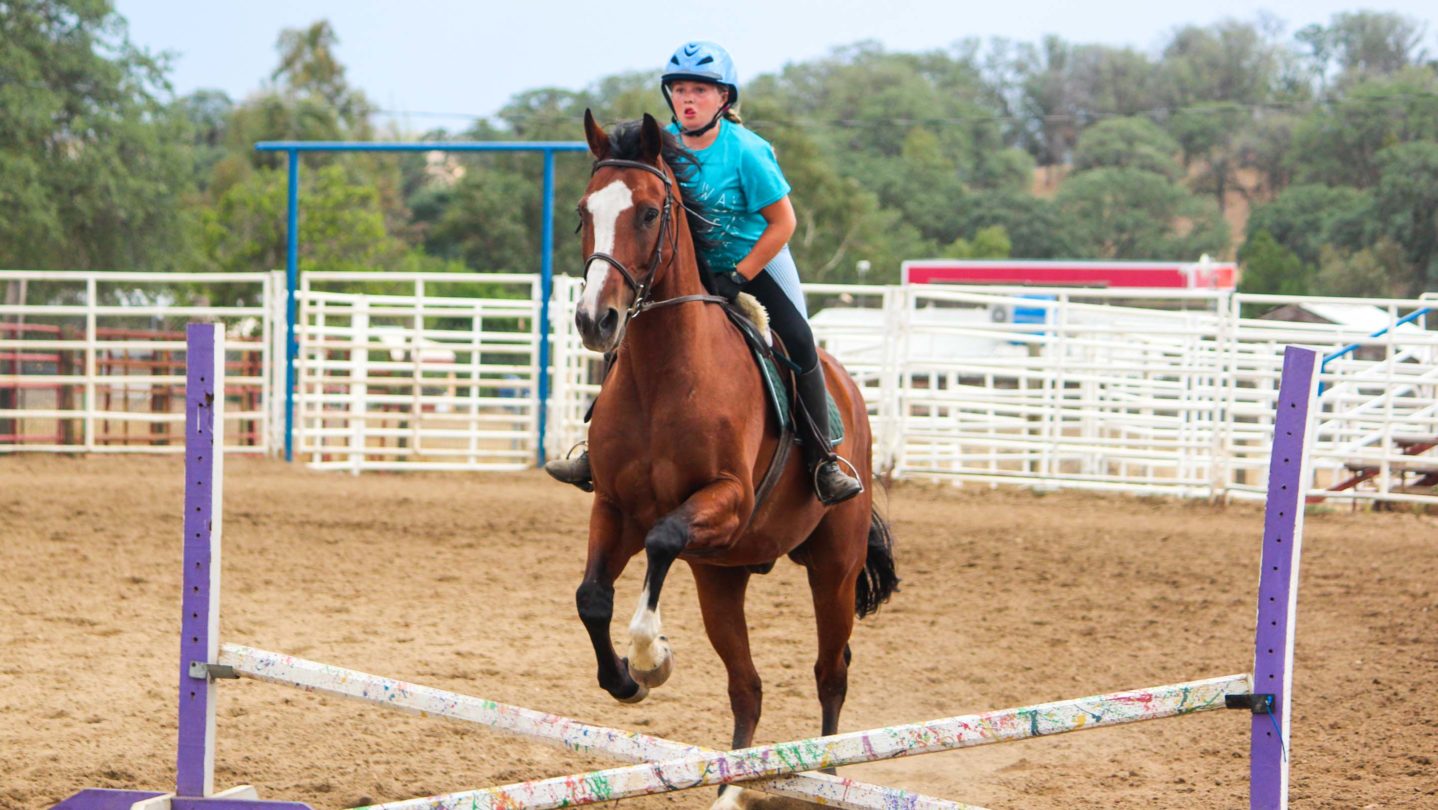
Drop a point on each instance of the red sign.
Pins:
(1123, 275)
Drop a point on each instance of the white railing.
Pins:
(406, 371)
(100, 367)
(1086, 389)
(577, 372)
(1167, 392)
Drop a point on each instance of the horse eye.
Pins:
(651, 214)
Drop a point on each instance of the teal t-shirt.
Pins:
(738, 176)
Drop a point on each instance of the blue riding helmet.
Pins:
(702, 62)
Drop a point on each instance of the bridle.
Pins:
(643, 286)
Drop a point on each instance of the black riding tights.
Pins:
(786, 320)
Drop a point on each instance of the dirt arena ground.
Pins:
(466, 582)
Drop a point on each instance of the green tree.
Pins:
(988, 243)
(1406, 210)
(1364, 273)
(1304, 218)
(1364, 44)
(491, 224)
(1340, 145)
(1127, 143)
(1265, 144)
(1211, 134)
(1230, 62)
(1127, 213)
(1272, 269)
(94, 164)
(1035, 228)
(310, 71)
(341, 224)
(1065, 87)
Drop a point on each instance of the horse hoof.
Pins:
(653, 677)
(661, 671)
(640, 692)
(733, 798)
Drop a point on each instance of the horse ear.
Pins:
(651, 140)
(598, 139)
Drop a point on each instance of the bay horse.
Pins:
(681, 435)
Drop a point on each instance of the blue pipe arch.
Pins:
(292, 245)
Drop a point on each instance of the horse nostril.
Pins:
(610, 320)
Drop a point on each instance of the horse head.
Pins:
(628, 215)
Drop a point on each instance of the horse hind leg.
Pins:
(721, 600)
(833, 558)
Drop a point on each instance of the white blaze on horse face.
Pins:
(605, 206)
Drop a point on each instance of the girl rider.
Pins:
(739, 180)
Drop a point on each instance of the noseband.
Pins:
(643, 285)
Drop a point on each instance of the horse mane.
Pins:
(624, 142)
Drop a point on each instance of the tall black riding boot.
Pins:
(831, 484)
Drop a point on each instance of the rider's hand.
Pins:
(728, 283)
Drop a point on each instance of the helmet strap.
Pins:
(713, 122)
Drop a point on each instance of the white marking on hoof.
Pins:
(731, 799)
(650, 658)
(659, 674)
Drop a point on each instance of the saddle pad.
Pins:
(778, 397)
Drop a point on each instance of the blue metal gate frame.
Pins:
(292, 246)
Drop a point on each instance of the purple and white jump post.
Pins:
(668, 765)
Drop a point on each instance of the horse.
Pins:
(680, 437)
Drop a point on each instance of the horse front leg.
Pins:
(595, 599)
(705, 520)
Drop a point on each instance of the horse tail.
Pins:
(877, 581)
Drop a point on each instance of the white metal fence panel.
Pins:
(1159, 392)
(417, 371)
(1075, 388)
(100, 366)
(577, 372)
(859, 330)
(1378, 420)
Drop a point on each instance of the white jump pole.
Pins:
(964, 731)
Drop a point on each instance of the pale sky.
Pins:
(469, 58)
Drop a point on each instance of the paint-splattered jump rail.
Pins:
(312, 676)
(965, 731)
